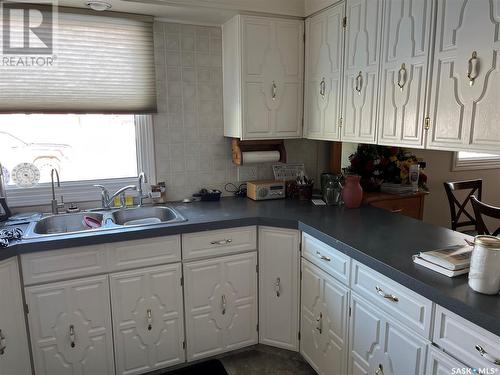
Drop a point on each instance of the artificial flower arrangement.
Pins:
(377, 164)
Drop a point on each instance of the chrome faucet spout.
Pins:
(55, 205)
(107, 200)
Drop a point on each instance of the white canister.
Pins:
(484, 274)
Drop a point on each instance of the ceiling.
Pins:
(183, 14)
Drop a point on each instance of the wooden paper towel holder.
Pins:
(238, 147)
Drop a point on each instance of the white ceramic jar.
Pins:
(484, 274)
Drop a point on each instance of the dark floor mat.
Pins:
(212, 367)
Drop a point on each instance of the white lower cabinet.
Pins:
(147, 318)
(279, 287)
(379, 345)
(14, 355)
(220, 304)
(440, 363)
(70, 324)
(324, 321)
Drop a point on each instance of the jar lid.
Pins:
(490, 242)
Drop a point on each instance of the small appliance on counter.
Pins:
(4, 208)
(265, 190)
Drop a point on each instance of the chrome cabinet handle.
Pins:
(3, 344)
(322, 87)
(359, 82)
(149, 315)
(396, 210)
(319, 325)
(274, 90)
(222, 242)
(390, 297)
(277, 287)
(223, 304)
(472, 68)
(402, 76)
(323, 257)
(72, 336)
(379, 370)
(487, 356)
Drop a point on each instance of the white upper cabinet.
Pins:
(14, 355)
(148, 321)
(362, 52)
(279, 287)
(263, 77)
(324, 72)
(404, 59)
(464, 107)
(221, 304)
(70, 325)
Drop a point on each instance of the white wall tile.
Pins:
(191, 151)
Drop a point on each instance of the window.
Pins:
(84, 149)
(464, 160)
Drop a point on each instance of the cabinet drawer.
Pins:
(218, 242)
(409, 307)
(44, 266)
(144, 253)
(464, 340)
(440, 363)
(407, 206)
(326, 257)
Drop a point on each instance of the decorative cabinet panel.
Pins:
(405, 50)
(324, 69)
(263, 77)
(147, 319)
(70, 325)
(379, 345)
(439, 363)
(324, 321)
(14, 355)
(279, 287)
(465, 94)
(221, 304)
(362, 54)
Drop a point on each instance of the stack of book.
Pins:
(450, 261)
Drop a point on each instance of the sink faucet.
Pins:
(55, 205)
(142, 179)
(107, 200)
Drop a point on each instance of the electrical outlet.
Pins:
(247, 174)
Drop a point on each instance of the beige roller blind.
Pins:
(100, 64)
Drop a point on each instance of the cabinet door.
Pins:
(364, 22)
(221, 304)
(440, 363)
(70, 325)
(272, 73)
(147, 319)
(324, 310)
(323, 81)
(405, 51)
(279, 287)
(466, 76)
(379, 345)
(14, 355)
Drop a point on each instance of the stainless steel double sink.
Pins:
(102, 220)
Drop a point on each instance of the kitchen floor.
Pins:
(264, 360)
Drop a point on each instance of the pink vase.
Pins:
(352, 194)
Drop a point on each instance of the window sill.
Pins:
(81, 191)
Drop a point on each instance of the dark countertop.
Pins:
(377, 238)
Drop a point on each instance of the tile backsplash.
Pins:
(191, 151)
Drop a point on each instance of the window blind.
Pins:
(101, 64)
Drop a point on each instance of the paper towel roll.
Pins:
(260, 156)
